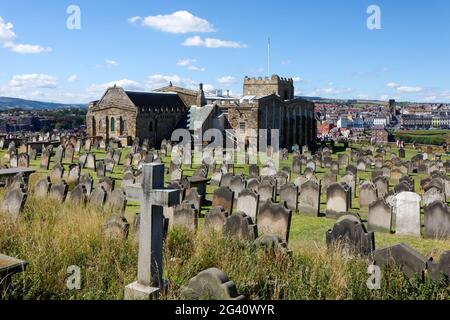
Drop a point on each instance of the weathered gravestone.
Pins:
(116, 227)
(266, 191)
(411, 262)
(215, 219)
(407, 214)
(185, 216)
(13, 202)
(97, 197)
(289, 194)
(380, 216)
(367, 194)
(437, 220)
(90, 162)
(150, 257)
(248, 203)
(338, 200)
(107, 183)
(274, 220)
(351, 237)
(237, 184)
(57, 172)
(223, 197)
(116, 202)
(211, 284)
(58, 191)
(193, 198)
(78, 196)
(42, 188)
(309, 199)
(240, 226)
(74, 173)
(88, 182)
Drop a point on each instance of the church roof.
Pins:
(157, 99)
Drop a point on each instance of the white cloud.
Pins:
(330, 91)
(158, 81)
(32, 81)
(363, 96)
(197, 41)
(6, 32)
(72, 78)
(135, 19)
(111, 63)
(189, 64)
(177, 22)
(298, 79)
(7, 37)
(26, 48)
(406, 89)
(227, 80)
(126, 84)
(392, 85)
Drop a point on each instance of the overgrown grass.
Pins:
(53, 236)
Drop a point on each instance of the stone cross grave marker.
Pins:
(150, 258)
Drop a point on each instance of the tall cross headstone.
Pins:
(153, 198)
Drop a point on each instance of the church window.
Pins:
(113, 125)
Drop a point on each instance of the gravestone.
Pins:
(78, 196)
(289, 194)
(45, 160)
(411, 262)
(57, 172)
(74, 173)
(82, 160)
(223, 197)
(211, 284)
(274, 220)
(338, 200)
(226, 180)
(367, 195)
(107, 183)
(351, 237)
(433, 195)
(439, 271)
(116, 227)
(309, 199)
(116, 202)
(58, 191)
(297, 166)
(215, 219)
(150, 257)
(185, 216)
(42, 188)
(407, 214)
(237, 184)
(382, 186)
(216, 177)
(101, 169)
(13, 202)
(437, 220)
(240, 227)
(90, 162)
(266, 191)
(88, 182)
(69, 152)
(248, 203)
(328, 180)
(59, 154)
(97, 197)
(23, 160)
(193, 198)
(380, 216)
(127, 179)
(176, 175)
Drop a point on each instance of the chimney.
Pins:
(201, 100)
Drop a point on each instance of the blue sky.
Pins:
(325, 45)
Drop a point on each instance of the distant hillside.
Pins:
(14, 103)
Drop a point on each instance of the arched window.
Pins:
(113, 125)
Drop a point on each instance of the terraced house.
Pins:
(267, 103)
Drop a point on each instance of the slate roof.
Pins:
(155, 99)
